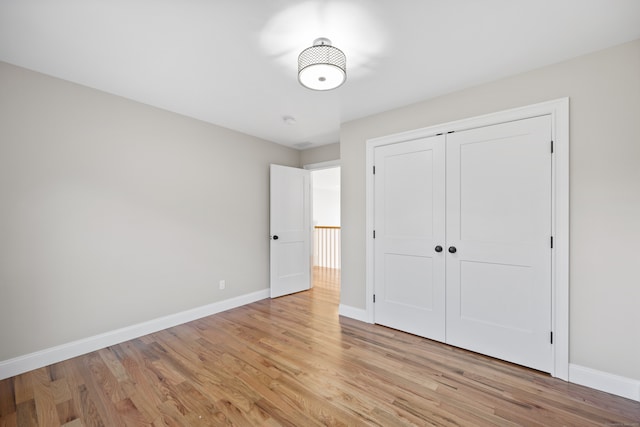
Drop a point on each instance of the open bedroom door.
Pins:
(290, 230)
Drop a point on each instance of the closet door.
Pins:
(409, 224)
(499, 222)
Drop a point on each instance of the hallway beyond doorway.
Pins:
(325, 183)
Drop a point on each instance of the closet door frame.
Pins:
(559, 111)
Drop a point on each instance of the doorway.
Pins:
(326, 241)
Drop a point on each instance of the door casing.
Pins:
(559, 112)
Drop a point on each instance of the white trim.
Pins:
(604, 381)
(322, 165)
(38, 359)
(352, 312)
(559, 111)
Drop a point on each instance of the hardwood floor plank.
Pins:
(114, 365)
(293, 361)
(93, 397)
(60, 390)
(130, 415)
(8, 403)
(67, 412)
(90, 413)
(169, 416)
(23, 388)
(9, 420)
(27, 416)
(44, 397)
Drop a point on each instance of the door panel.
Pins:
(499, 220)
(500, 185)
(511, 282)
(290, 221)
(405, 279)
(409, 223)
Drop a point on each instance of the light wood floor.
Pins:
(293, 361)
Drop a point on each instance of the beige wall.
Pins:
(604, 91)
(324, 153)
(114, 213)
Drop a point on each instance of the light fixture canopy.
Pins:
(322, 66)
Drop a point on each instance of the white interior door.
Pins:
(409, 225)
(499, 222)
(290, 219)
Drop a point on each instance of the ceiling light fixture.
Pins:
(322, 66)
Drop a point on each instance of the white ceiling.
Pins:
(234, 62)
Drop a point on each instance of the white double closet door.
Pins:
(462, 247)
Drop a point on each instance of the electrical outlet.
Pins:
(223, 284)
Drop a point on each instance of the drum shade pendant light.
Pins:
(322, 66)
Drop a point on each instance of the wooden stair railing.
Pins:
(326, 246)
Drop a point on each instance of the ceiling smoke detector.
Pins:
(289, 120)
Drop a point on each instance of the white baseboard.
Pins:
(38, 359)
(353, 313)
(604, 381)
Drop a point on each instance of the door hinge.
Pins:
(374, 297)
(552, 146)
(551, 242)
(551, 336)
(374, 234)
(374, 170)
